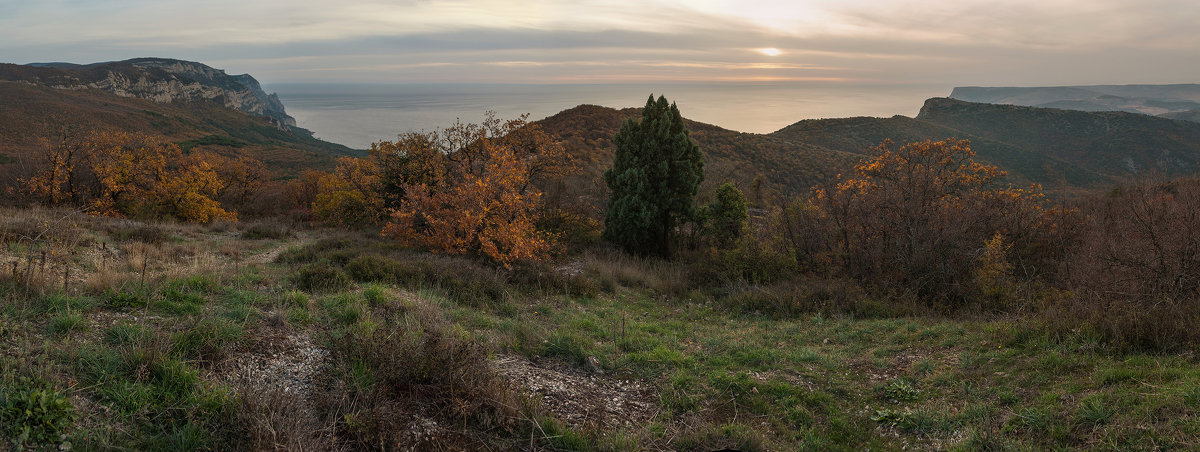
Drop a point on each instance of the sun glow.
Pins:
(770, 51)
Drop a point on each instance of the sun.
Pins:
(770, 51)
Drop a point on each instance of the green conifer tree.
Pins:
(656, 170)
(726, 217)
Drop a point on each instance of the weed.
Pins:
(66, 323)
(117, 299)
(206, 341)
(901, 390)
(1094, 411)
(34, 417)
(321, 278)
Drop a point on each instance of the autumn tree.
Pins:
(242, 177)
(351, 195)
(130, 174)
(300, 193)
(471, 188)
(655, 174)
(915, 218)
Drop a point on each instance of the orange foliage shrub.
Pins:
(121, 174)
(487, 213)
(472, 188)
(916, 218)
(351, 195)
(242, 177)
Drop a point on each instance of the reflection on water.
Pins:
(357, 115)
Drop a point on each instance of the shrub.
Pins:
(912, 219)
(1134, 274)
(321, 277)
(258, 231)
(808, 295)
(725, 218)
(125, 231)
(375, 268)
(35, 416)
(412, 368)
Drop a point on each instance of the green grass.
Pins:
(720, 376)
(66, 323)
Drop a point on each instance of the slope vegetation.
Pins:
(31, 114)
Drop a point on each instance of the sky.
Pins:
(952, 42)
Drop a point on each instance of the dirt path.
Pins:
(269, 256)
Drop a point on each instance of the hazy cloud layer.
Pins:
(537, 41)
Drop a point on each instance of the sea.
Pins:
(357, 115)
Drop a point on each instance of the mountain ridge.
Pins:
(1154, 100)
(161, 80)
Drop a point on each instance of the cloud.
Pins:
(539, 41)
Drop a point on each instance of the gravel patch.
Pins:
(583, 400)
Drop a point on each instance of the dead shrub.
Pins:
(1136, 273)
(136, 231)
(387, 384)
(279, 421)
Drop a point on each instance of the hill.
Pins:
(856, 135)
(31, 113)
(1064, 150)
(788, 167)
(157, 79)
(1145, 99)
(1115, 144)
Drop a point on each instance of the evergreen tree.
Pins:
(726, 217)
(655, 173)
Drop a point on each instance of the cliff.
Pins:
(160, 80)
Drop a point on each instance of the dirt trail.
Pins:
(269, 256)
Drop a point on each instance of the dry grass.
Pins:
(279, 421)
(409, 378)
(55, 249)
(617, 269)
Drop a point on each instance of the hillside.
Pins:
(30, 113)
(1145, 99)
(788, 167)
(1116, 144)
(158, 79)
(856, 135)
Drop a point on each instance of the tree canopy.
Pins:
(656, 171)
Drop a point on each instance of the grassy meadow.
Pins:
(164, 336)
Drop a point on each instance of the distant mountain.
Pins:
(1063, 150)
(788, 167)
(857, 135)
(1155, 100)
(159, 80)
(1115, 144)
(1190, 115)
